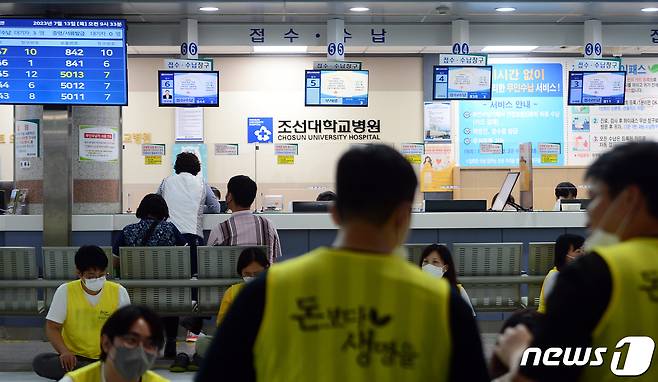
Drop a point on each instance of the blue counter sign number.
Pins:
(598, 49)
(589, 49)
(183, 48)
(465, 48)
(331, 49)
(458, 48)
(193, 49)
(341, 49)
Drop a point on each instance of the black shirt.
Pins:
(230, 356)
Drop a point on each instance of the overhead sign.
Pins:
(597, 65)
(202, 65)
(463, 59)
(336, 65)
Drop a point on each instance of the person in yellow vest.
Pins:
(357, 311)
(602, 299)
(568, 247)
(436, 260)
(77, 313)
(130, 342)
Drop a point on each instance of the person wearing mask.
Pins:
(129, 344)
(327, 196)
(436, 260)
(568, 247)
(77, 313)
(251, 263)
(356, 311)
(244, 227)
(564, 190)
(610, 294)
(187, 195)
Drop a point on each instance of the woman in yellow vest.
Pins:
(436, 260)
(131, 340)
(568, 247)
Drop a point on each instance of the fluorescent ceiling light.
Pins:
(280, 49)
(650, 9)
(209, 9)
(508, 49)
(505, 9)
(359, 9)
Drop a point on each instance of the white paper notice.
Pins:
(189, 124)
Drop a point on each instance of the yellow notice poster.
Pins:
(285, 159)
(414, 158)
(152, 160)
(436, 168)
(549, 158)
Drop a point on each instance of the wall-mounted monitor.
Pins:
(188, 89)
(337, 88)
(597, 88)
(462, 83)
(59, 61)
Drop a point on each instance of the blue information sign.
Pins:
(337, 88)
(71, 62)
(184, 88)
(597, 88)
(462, 82)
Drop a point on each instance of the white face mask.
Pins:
(433, 270)
(248, 279)
(95, 285)
(600, 238)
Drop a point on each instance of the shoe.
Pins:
(193, 324)
(170, 350)
(195, 363)
(191, 337)
(180, 364)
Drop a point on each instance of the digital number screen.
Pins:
(597, 88)
(181, 88)
(337, 88)
(71, 62)
(462, 82)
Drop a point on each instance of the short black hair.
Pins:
(371, 182)
(327, 196)
(250, 255)
(187, 162)
(566, 190)
(562, 245)
(243, 190)
(121, 320)
(152, 205)
(446, 257)
(629, 164)
(90, 257)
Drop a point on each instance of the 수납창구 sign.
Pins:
(329, 130)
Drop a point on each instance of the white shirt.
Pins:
(185, 196)
(467, 299)
(57, 311)
(66, 378)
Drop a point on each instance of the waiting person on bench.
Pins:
(243, 227)
(77, 313)
(130, 341)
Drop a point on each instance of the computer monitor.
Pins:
(307, 207)
(455, 205)
(505, 191)
(583, 202)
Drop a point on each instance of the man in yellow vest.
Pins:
(356, 311)
(607, 301)
(77, 313)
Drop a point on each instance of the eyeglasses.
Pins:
(131, 341)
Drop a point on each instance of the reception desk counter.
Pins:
(300, 233)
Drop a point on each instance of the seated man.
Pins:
(564, 190)
(77, 313)
(243, 227)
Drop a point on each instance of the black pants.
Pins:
(47, 365)
(193, 241)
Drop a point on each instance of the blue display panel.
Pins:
(337, 88)
(70, 62)
(182, 88)
(462, 83)
(597, 88)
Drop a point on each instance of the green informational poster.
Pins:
(26, 138)
(99, 143)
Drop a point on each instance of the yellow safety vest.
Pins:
(92, 373)
(542, 299)
(337, 315)
(229, 296)
(633, 306)
(82, 327)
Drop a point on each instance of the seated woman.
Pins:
(251, 263)
(130, 342)
(437, 260)
(153, 230)
(568, 247)
(564, 190)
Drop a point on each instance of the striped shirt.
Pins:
(245, 228)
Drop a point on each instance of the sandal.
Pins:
(180, 364)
